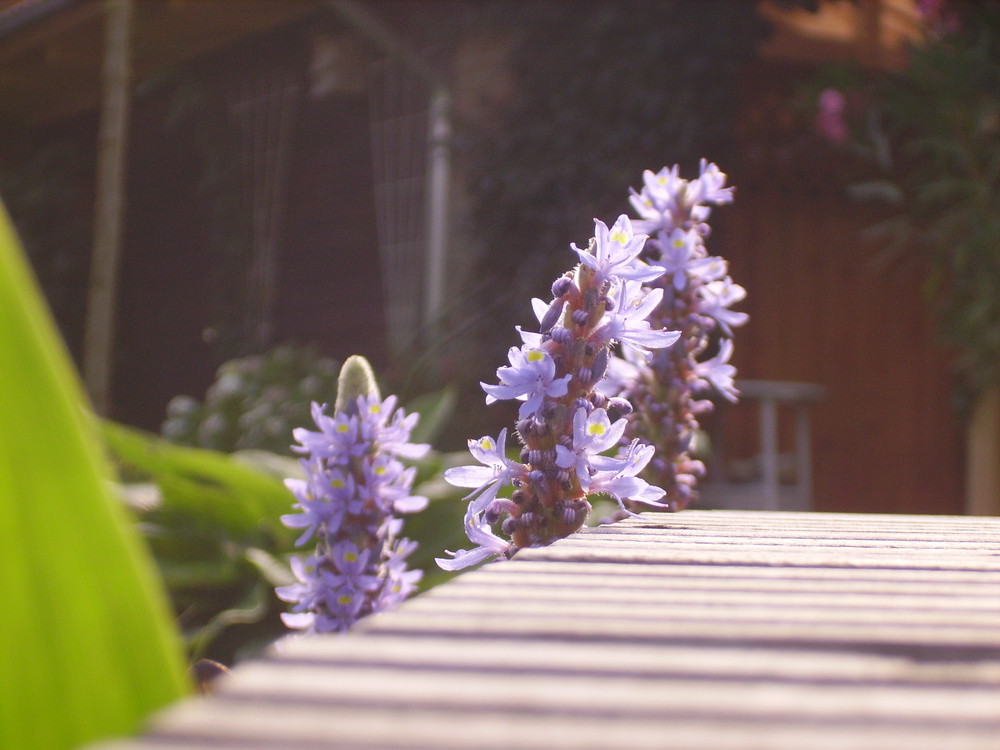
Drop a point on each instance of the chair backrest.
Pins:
(767, 493)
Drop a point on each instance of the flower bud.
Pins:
(561, 286)
(552, 315)
(618, 408)
(600, 365)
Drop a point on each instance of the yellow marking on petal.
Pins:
(350, 557)
(679, 242)
(536, 355)
(344, 599)
(380, 470)
(487, 444)
(375, 409)
(595, 429)
(342, 427)
(619, 237)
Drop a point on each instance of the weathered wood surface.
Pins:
(706, 630)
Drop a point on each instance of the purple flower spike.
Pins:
(694, 296)
(557, 374)
(354, 487)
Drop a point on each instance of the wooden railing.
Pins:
(702, 629)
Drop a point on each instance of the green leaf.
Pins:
(87, 648)
(218, 490)
(273, 570)
(881, 190)
(435, 410)
(213, 508)
(250, 610)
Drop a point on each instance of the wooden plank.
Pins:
(252, 725)
(777, 522)
(797, 557)
(918, 640)
(985, 588)
(605, 593)
(636, 648)
(632, 659)
(625, 696)
(983, 549)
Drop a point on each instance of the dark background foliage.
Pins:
(603, 91)
(924, 145)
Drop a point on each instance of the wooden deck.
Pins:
(702, 630)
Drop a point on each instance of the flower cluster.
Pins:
(354, 489)
(667, 390)
(565, 426)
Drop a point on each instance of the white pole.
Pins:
(438, 177)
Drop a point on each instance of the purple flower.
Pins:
(830, 120)
(682, 257)
(387, 480)
(390, 429)
(336, 435)
(709, 187)
(668, 202)
(627, 323)
(716, 297)
(615, 252)
(592, 434)
(305, 592)
(343, 608)
(352, 568)
(321, 502)
(617, 476)
(657, 204)
(530, 378)
(400, 582)
(497, 471)
(562, 424)
(480, 533)
(718, 373)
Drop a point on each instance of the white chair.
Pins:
(770, 480)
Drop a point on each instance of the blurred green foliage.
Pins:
(255, 401)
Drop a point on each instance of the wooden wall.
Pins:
(824, 310)
(887, 438)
